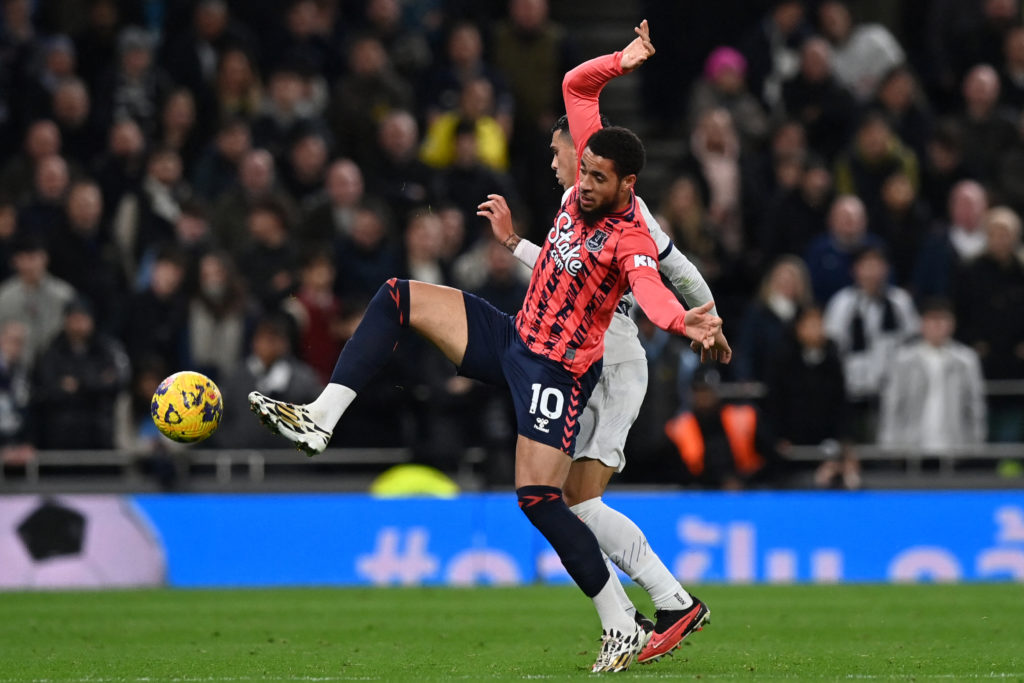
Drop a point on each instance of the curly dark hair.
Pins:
(622, 146)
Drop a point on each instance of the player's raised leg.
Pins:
(437, 313)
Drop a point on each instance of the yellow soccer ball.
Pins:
(187, 407)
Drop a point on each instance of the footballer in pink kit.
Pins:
(549, 356)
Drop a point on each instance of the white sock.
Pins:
(330, 405)
(624, 600)
(621, 539)
(609, 608)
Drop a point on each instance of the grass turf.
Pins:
(920, 632)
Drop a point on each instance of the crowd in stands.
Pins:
(221, 185)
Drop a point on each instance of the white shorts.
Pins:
(610, 413)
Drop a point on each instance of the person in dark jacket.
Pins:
(77, 382)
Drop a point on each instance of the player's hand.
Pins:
(701, 326)
(719, 351)
(638, 51)
(496, 210)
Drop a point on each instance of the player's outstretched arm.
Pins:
(581, 87)
(496, 211)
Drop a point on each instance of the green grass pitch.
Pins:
(920, 632)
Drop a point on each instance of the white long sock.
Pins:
(331, 404)
(621, 539)
(624, 600)
(609, 608)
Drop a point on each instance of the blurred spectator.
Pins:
(787, 143)
(120, 168)
(953, 243)
(178, 128)
(271, 369)
(309, 38)
(306, 166)
(216, 169)
(903, 224)
(288, 108)
(715, 156)
(900, 100)
(8, 235)
(424, 245)
(933, 401)
(723, 87)
(1011, 73)
(238, 87)
(77, 382)
(16, 447)
(830, 256)
(145, 218)
(191, 56)
(503, 287)
(476, 105)
(771, 50)
(868, 320)
(269, 258)
(533, 53)
(34, 296)
(334, 213)
(875, 155)
(465, 62)
(407, 49)
(785, 289)
(96, 43)
(796, 216)
(987, 128)
(396, 175)
(156, 323)
(468, 181)
(943, 167)
(81, 138)
(806, 400)
(365, 257)
(55, 63)
(218, 313)
(861, 53)
(42, 141)
(989, 301)
(82, 255)
(257, 183)
(361, 99)
(959, 35)
(318, 315)
(683, 215)
(818, 101)
(134, 86)
(722, 445)
(44, 210)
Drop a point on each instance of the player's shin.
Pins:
(578, 550)
(627, 546)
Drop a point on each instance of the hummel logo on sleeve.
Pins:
(640, 260)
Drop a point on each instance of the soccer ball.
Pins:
(187, 407)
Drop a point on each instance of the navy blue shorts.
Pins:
(548, 400)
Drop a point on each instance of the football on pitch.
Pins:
(187, 407)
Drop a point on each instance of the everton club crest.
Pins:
(596, 241)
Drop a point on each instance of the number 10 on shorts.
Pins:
(550, 401)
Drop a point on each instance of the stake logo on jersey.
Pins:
(566, 254)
